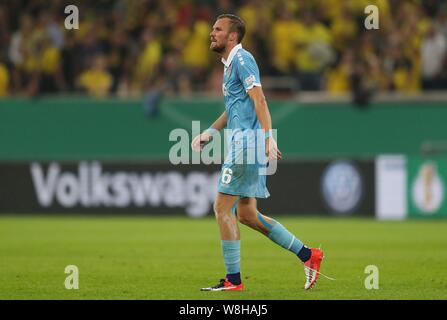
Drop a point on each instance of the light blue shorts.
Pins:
(244, 177)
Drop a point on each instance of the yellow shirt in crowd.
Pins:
(196, 52)
(50, 60)
(306, 36)
(96, 82)
(4, 80)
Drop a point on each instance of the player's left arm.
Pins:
(262, 111)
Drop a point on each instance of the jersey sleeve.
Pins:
(248, 71)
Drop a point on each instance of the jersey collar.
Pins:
(231, 55)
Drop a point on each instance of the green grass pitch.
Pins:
(171, 258)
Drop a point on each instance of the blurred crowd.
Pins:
(127, 48)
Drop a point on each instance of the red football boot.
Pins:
(312, 267)
(225, 285)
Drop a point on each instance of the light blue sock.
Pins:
(280, 235)
(231, 250)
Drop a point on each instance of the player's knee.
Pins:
(218, 209)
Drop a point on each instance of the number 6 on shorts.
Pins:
(226, 175)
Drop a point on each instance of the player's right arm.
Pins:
(199, 141)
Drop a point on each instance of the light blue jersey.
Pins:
(240, 171)
(241, 73)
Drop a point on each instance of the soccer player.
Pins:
(241, 183)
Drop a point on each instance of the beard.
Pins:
(218, 49)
